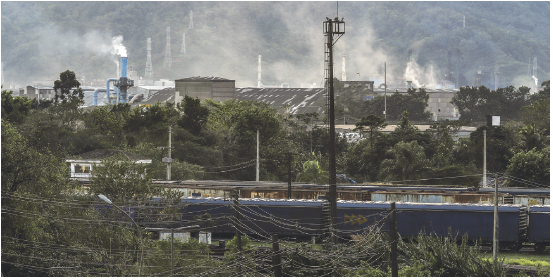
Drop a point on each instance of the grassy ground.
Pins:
(541, 262)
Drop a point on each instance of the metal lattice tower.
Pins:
(183, 48)
(331, 28)
(149, 70)
(168, 61)
(191, 24)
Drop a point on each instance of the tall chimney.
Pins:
(343, 68)
(259, 72)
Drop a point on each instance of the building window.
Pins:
(82, 168)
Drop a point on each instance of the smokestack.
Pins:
(343, 68)
(409, 84)
(123, 67)
(259, 72)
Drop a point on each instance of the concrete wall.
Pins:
(441, 100)
(216, 90)
(223, 90)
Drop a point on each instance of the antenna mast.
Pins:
(149, 70)
(183, 48)
(167, 62)
(331, 27)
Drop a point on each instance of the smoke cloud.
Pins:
(118, 48)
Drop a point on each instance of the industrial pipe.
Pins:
(95, 96)
(107, 88)
(123, 82)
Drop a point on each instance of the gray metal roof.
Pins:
(298, 100)
(203, 79)
(165, 95)
(100, 154)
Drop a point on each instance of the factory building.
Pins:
(215, 88)
(439, 101)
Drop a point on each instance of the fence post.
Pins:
(393, 231)
(276, 258)
(495, 223)
(238, 233)
(172, 252)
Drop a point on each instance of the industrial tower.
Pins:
(191, 24)
(149, 70)
(331, 27)
(167, 62)
(183, 48)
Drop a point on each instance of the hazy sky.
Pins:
(225, 41)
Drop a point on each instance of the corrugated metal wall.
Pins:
(358, 195)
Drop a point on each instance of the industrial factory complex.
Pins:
(292, 100)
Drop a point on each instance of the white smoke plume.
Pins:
(421, 77)
(118, 48)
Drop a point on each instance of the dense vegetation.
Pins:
(42, 209)
(42, 39)
(217, 140)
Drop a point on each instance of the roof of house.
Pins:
(101, 154)
(299, 100)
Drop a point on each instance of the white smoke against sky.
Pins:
(420, 76)
(118, 48)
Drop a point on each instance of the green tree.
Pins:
(194, 115)
(537, 114)
(531, 138)
(373, 123)
(15, 109)
(233, 125)
(363, 159)
(312, 172)
(405, 161)
(499, 143)
(533, 166)
(122, 180)
(414, 101)
(69, 88)
(475, 103)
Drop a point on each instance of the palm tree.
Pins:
(312, 172)
(405, 161)
(531, 137)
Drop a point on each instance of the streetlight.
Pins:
(105, 199)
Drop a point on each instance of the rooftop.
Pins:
(101, 154)
(202, 79)
(299, 100)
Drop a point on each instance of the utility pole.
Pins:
(276, 259)
(257, 162)
(495, 224)
(169, 157)
(238, 233)
(289, 175)
(332, 27)
(393, 232)
(484, 180)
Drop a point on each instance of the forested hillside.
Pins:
(447, 40)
